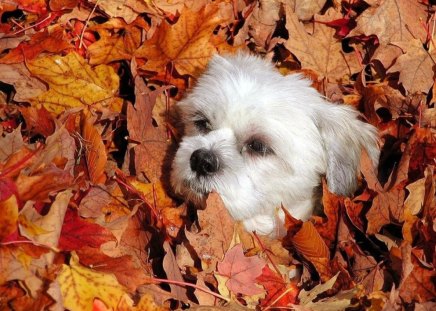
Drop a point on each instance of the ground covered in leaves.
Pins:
(86, 219)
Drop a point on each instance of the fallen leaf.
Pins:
(81, 285)
(51, 223)
(73, 83)
(8, 216)
(327, 60)
(185, 45)
(279, 292)
(392, 21)
(118, 41)
(216, 231)
(150, 142)
(124, 268)
(77, 233)
(172, 271)
(415, 66)
(25, 85)
(95, 151)
(242, 271)
(52, 41)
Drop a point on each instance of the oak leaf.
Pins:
(241, 271)
(327, 59)
(80, 286)
(73, 83)
(185, 45)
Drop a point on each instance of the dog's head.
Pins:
(261, 139)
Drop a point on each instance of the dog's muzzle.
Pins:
(204, 162)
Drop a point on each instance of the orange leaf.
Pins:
(186, 44)
(53, 42)
(95, 151)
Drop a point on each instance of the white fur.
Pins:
(244, 96)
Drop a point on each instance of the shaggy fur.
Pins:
(265, 140)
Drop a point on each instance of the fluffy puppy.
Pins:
(262, 140)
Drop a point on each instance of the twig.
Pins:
(205, 290)
(86, 24)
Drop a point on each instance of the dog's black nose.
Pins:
(204, 162)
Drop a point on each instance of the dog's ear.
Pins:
(344, 137)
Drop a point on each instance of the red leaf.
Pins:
(77, 233)
(275, 287)
(242, 271)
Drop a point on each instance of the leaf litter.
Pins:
(87, 218)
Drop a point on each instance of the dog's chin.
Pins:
(194, 191)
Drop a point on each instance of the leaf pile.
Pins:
(87, 132)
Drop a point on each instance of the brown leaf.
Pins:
(123, 267)
(416, 66)
(173, 273)
(327, 59)
(216, 231)
(392, 21)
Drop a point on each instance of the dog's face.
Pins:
(254, 136)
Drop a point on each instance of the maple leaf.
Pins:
(80, 286)
(185, 45)
(241, 271)
(392, 21)
(73, 83)
(77, 233)
(279, 293)
(327, 60)
(117, 46)
(415, 66)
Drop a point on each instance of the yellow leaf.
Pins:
(8, 216)
(80, 285)
(72, 82)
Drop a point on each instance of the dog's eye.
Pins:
(258, 147)
(203, 125)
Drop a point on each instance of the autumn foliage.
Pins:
(87, 219)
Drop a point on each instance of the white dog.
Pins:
(262, 140)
